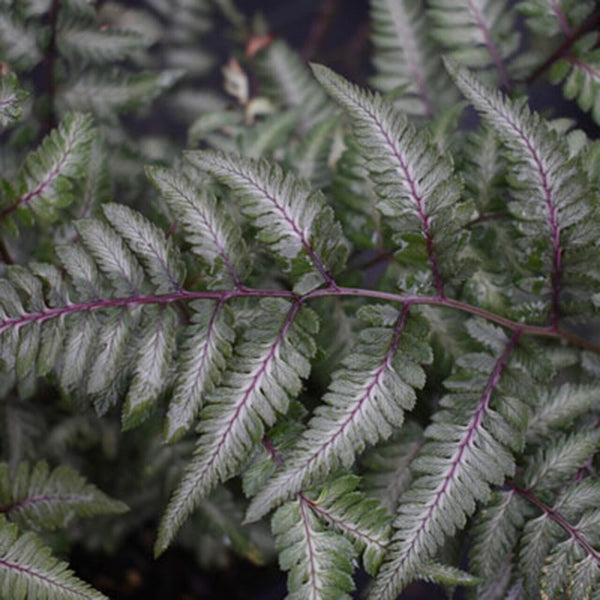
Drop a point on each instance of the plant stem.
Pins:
(555, 516)
(563, 50)
(244, 292)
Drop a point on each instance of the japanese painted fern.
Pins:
(386, 327)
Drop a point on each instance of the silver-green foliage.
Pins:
(224, 313)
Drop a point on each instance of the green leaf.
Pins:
(416, 185)
(407, 64)
(206, 348)
(319, 560)
(366, 399)
(29, 570)
(42, 499)
(208, 228)
(156, 252)
(266, 370)
(11, 100)
(289, 215)
(47, 176)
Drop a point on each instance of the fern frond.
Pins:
(387, 466)
(407, 64)
(580, 73)
(154, 355)
(160, 258)
(366, 399)
(478, 33)
(550, 17)
(559, 549)
(45, 181)
(458, 466)
(43, 499)
(81, 44)
(310, 159)
(205, 352)
(319, 560)
(496, 533)
(287, 80)
(11, 99)
(551, 190)
(107, 95)
(18, 42)
(265, 371)
(415, 183)
(29, 570)
(558, 408)
(360, 519)
(290, 216)
(211, 233)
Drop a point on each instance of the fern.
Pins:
(28, 570)
(405, 60)
(44, 182)
(339, 307)
(46, 500)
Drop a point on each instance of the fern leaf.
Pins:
(206, 349)
(406, 63)
(550, 17)
(18, 42)
(551, 191)
(552, 537)
(387, 467)
(212, 234)
(112, 256)
(459, 465)
(106, 95)
(286, 80)
(415, 183)
(82, 44)
(496, 532)
(266, 370)
(46, 178)
(29, 570)
(478, 33)
(43, 499)
(290, 217)
(580, 72)
(11, 99)
(152, 364)
(366, 399)
(558, 408)
(360, 519)
(157, 253)
(319, 560)
(310, 159)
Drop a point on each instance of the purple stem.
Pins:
(562, 19)
(376, 378)
(438, 282)
(225, 295)
(553, 514)
(38, 191)
(492, 49)
(472, 429)
(305, 243)
(311, 554)
(324, 514)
